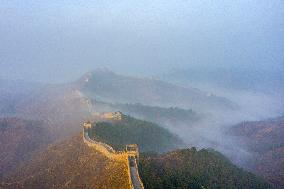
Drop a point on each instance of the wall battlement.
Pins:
(129, 156)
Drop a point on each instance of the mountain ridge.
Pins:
(108, 86)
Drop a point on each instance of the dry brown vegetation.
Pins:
(265, 140)
(70, 164)
(19, 139)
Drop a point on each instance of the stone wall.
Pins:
(109, 152)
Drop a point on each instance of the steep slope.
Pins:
(265, 140)
(196, 170)
(69, 164)
(19, 139)
(110, 87)
(148, 136)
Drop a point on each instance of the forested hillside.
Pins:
(194, 169)
(265, 141)
(148, 136)
(161, 115)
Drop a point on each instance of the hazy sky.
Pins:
(60, 40)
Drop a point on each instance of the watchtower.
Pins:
(117, 116)
(87, 125)
(132, 150)
(114, 116)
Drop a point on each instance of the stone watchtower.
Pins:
(87, 125)
(132, 150)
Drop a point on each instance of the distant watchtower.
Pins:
(115, 116)
(87, 125)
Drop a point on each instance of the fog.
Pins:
(58, 41)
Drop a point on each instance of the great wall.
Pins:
(129, 156)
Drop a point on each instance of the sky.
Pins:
(58, 41)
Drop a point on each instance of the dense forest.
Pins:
(194, 169)
(149, 136)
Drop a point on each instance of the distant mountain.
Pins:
(194, 169)
(19, 86)
(258, 92)
(8, 102)
(265, 140)
(14, 92)
(19, 140)
(148, 136)
(172, 115)
(69, 164)
(106, 86)
(236, 78)
(65, 106)
(171, 118)
(61, 106)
